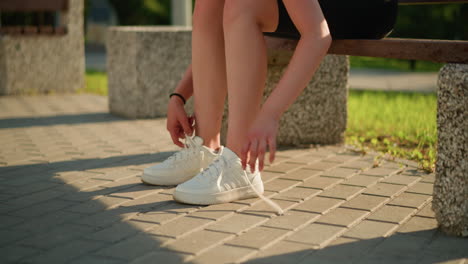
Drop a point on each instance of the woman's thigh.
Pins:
(263, 12)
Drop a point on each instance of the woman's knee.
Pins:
(264, 13)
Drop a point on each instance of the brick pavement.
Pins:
(70, 192)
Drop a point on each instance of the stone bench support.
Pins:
(146, 63)
(450, 202)
(31, 64)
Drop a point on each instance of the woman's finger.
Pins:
(272, 148)
(244, 153)
(186, 125)
(175, 138)
(253, 154)
(261, 153)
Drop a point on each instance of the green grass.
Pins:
(393, 64)
(96, 83)
(399, 124)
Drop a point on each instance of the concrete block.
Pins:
(451, 184)
(45, 64)
(144, 65)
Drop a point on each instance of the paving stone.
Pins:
(237, 223)
(321, 165)
(56, 236)
(46, 222)
(340, 191)
(163, 256)
(345, 250)
(370, 229)
(342, 217)
(218, 211)
(321, 183)
(134, 192)
(114, 233)
(385, 190)
(361, 180)
(283, 167)
(344, 157)
(258, 237)
(8, 236)
(304, 159)
(316, 234)
(365, 202)
(401, 179)
(381, 172)
(358, 164)
(223, 254)
(268, 176)
(401, 247)
(418, 226)
(292, 220)
(451, 247)
(9, 220)
(96, 260)
(132, 247)
(264, 209)
(282, 252)
(43, 208)
(426, 211)
(320, 205)
(35, 198)
(199, 241)
(13, 253)
(340, 173)
(301, 175)
(393, 214)
(422, 188)
(106, 218)
(297, 194)
(152, 218)
(66, 252)
(180, 226)
(280, 185)
(411, 200)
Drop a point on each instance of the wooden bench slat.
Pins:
(32, 30)
(430, 2)
(448, 51)
(33, 5)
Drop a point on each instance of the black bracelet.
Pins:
(178, 95)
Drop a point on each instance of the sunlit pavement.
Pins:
(70, 192)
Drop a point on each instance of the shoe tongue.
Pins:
(229, 154)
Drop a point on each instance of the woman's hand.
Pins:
(178, 123)
(261, 134)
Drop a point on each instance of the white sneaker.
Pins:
(182, 165)
(223, 181)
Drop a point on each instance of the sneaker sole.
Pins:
(217, 198)
(159, 183)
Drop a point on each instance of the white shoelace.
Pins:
(189, 146)
(267, 200)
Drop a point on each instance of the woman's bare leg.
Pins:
(246, 62)
(209, 70)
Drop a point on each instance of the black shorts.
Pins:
(347, 19)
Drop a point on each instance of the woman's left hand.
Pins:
(261, 134)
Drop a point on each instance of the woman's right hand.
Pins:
(178, 123)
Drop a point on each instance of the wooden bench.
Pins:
(450, 200)
(41, 9)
